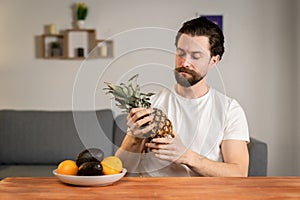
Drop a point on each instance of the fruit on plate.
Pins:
(90, 162)
(111, 165)
(89, 155)
(67, 167)
(129, 96)
(90, 169)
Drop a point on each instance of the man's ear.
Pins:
(214, 61)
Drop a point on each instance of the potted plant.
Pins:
(81, 12)
(56, 49)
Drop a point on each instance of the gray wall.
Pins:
(259, 68)
(297, 52)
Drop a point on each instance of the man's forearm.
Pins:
(206, 167)
(133, 144)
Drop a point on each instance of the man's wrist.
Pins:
(192, 158)
(132, 143)
(135, 138)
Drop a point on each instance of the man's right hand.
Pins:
(137, 119)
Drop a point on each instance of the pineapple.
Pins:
(129, 96)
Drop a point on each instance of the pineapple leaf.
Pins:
(116, 90)
(147, 94)
(132, 78)
(130, 95)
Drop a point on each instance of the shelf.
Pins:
(76, 44)
(104, 49)
(79, 42)
(48, 46)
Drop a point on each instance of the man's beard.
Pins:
(187, 82)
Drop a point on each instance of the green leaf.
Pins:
(134, 77)
(129, 96)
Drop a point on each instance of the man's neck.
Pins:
(196, 91)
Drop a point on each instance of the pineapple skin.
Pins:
(163, 126)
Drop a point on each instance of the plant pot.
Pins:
(56, 52)
(80, 24)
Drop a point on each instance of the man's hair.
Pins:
(201, 26)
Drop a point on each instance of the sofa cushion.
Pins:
(26, 170)
(48, 137)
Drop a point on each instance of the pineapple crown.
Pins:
(129, 96)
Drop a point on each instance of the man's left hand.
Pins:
(171, 149)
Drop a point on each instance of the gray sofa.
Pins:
(32, 143)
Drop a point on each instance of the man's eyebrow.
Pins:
(179, 49)
(193, 52)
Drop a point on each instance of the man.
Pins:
(211, 131)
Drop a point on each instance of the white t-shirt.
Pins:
(201, 123)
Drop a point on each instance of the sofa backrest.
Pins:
(120, 130)
(48, 137)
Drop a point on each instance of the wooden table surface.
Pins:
(154, 188)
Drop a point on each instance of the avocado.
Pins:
(89, 155)
(90, 169)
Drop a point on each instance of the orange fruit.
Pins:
(111, 165)
(67, 167)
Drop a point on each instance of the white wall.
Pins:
(258, 67)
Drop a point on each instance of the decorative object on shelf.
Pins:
(56, 49)
(81, 12)
(103, 51)
(105, 48)
(52, 29)
(80, 52)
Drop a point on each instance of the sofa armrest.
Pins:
(258, 157)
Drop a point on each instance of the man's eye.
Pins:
(196, 56)
(181, 54)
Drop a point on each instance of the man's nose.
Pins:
(186, 62)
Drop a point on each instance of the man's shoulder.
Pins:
(226, 100)
(165, 93)
(221, 96)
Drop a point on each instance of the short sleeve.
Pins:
(236, 125)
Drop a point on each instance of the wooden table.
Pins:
(155, 188)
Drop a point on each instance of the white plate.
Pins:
(90, 180)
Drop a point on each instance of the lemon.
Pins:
(111, 165)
